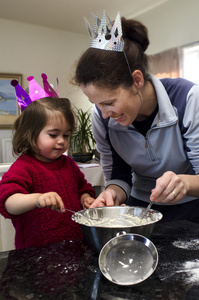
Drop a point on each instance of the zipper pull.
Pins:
(146, 145)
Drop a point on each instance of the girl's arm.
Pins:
(21, 203)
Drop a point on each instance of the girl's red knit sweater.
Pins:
(43, 225)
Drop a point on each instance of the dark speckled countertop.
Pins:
(69, 270)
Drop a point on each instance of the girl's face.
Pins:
(53, 139)
(123, 105)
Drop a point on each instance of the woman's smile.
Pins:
(119, 118)
(120, 104)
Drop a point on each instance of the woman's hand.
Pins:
(170, 188)
(52, 200)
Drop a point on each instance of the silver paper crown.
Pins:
(103, 37)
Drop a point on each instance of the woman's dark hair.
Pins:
(110, 69)
(34, 118)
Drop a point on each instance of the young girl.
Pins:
(42, 182)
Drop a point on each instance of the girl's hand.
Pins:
(170, 188)
(87, 202)
(52, 200)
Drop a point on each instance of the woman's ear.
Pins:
(138, 79)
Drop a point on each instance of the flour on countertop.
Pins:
(188, 245)
(191, 268)
(188, 271)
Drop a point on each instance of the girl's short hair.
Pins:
(111, 69)
(34, 118)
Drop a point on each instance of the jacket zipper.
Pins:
(147, 146)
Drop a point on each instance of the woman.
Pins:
(146, 129)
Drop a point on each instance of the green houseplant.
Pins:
(82, 142)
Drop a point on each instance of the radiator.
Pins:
(7, 231)
(7, 234)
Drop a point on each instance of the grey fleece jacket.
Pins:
(133, 161)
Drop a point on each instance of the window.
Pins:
(190, 68)
(166, 63)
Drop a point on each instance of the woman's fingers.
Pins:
(169, 189)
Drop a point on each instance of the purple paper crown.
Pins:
(35, 91)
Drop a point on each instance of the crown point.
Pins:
(30, 78)
(106, 37)
(35, 91)
(14, 82)
(44, 76)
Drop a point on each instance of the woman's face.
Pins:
(123, 105)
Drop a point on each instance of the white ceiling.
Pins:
(69, 14)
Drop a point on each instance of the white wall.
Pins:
(32, 50)
(174, 23)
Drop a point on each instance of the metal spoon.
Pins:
(146, 210)
(70, 210)
(76, 212)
